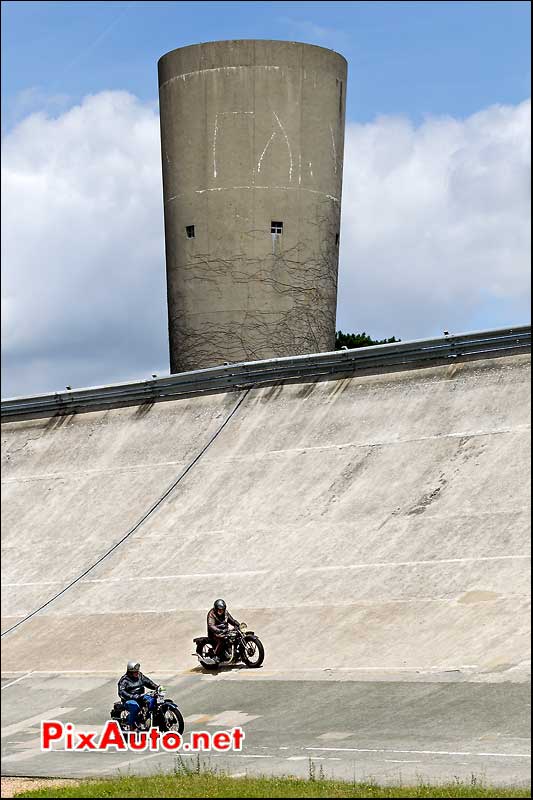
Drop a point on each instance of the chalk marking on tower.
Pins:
(264, 151)
(334, 149)
(288, 144)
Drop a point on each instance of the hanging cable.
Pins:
(138, 524)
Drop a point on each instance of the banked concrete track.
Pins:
(372, 529)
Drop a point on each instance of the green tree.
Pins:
(352, 340)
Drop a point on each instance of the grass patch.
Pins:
(206, 782)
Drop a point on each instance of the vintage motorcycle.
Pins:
(240, 645)
(162, 713)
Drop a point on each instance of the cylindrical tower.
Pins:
(252, 139)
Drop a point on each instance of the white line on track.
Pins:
(297, 571)
(215, 754)
(385, 442)
(411, 563)
(7, 685)
(287, 451)
(417, 752)
(332, 670)
(111, 672)
(205, 575)
(212, 754)
(264, 674)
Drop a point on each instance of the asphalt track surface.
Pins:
(387, 730)
(372, 530)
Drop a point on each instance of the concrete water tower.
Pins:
(252, 138)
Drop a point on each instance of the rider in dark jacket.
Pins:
(132, 691)
(218, 620)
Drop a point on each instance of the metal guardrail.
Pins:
(245, 374)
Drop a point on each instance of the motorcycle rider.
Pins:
(132, 691)
(218, 620)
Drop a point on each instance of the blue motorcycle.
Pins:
(160, 712)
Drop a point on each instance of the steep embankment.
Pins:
(389, 512)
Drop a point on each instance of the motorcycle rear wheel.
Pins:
(122, 719)
(205, 650)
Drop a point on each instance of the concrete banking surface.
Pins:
(372, 530)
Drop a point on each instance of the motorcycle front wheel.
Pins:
(252, 652)
(171, 719)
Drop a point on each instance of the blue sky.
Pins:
(415, 58)
(435, 231)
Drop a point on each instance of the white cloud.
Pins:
(436, 224)
(435, 236)
(83, 289)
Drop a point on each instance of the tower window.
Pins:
(189, 230)
(276, 227)
(337, 236)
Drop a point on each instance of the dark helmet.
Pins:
(219, 606)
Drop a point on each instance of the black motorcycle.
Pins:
(163, 714)
(240, 645)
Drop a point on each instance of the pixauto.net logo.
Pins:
(57, 735)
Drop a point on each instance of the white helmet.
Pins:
(133, 666)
